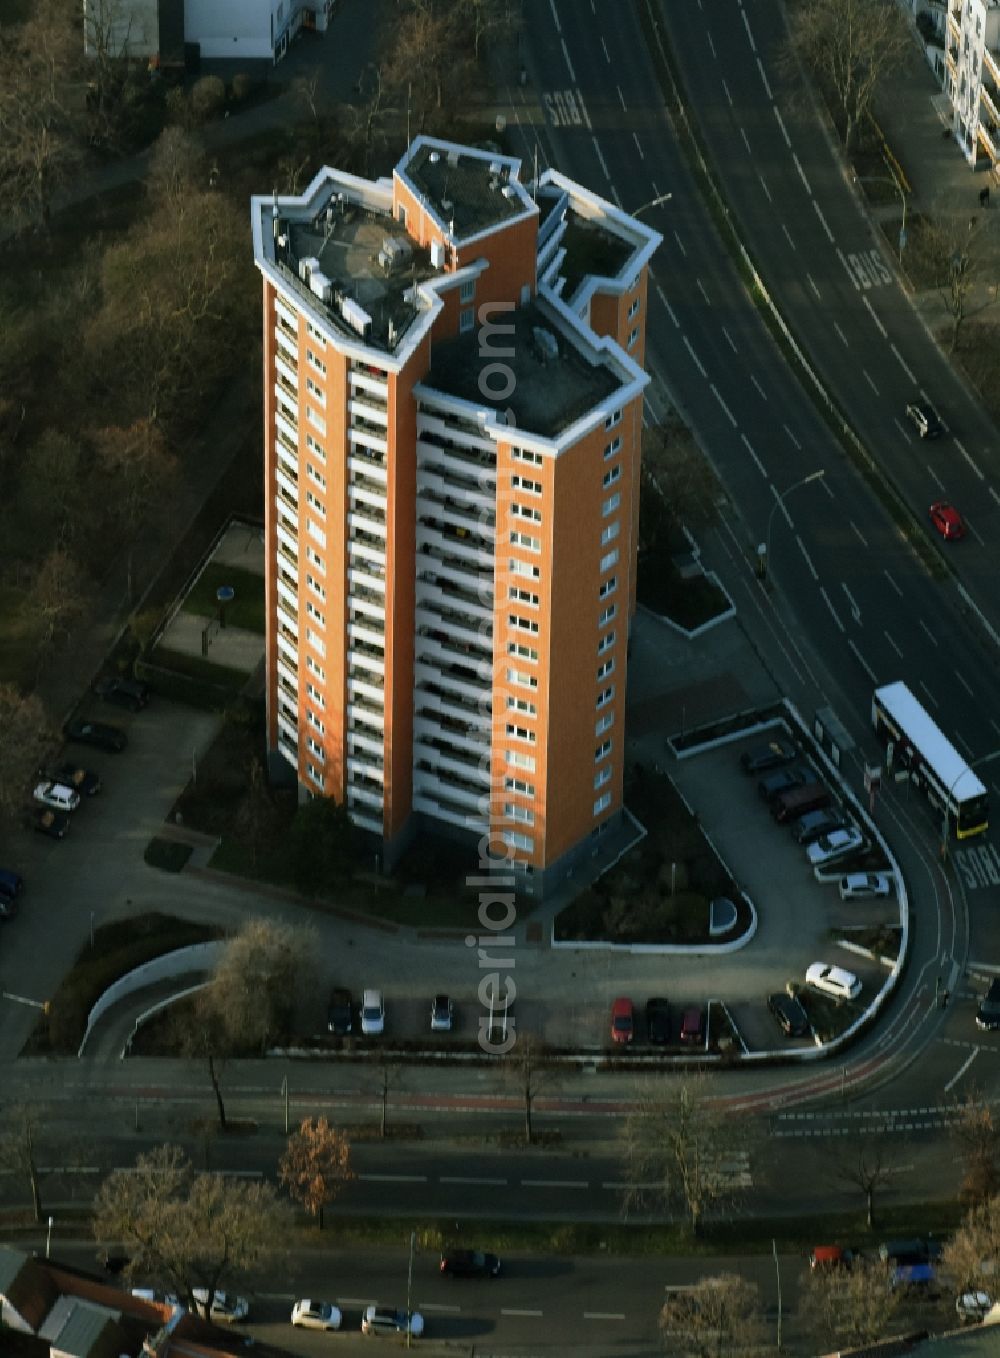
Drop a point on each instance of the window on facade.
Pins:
(524, 568)
(611, 504)
(526, 455)
(518, 760)
(316, 362)
(634, 308)
(605, 696)
(316, 504)
(520, 733)
(523, 596)
(521, 705)
(605, 643)
(519, 785)
(601, 777)
(633, 336)
(467, 320)
(612, 475)
(526, 512)
(523, 483)
(521, 679)
(613, 447)
(525, 624)
(602, 751)
(607, 615)
(524, 540)
(522, 814)
(605, 668)
(315, 446)
(525, 652)
(602, 803)
(613, 419)
(609, 559)
(609, 534)
(608, 587)
(316, 391)
(604, 723)
(467, 290)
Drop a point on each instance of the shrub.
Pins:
(243, 86)
(207, 97)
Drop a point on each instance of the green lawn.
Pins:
(246, 610)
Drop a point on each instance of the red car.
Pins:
(947, 520)
(622, 1021)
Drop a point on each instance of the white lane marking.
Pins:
(638, 147)
(802, 548)
(934, 476)
(792, 437)
(697, 361)
(855, 610)
(701, 289)
(902, 428)
(393, 1178)
(586, 117)
(802, 174)
(511, 1311)
(607, 57)
(615, 195)
(711, 44)
(861, 536)
(928, 692)
(840, 335)
(902, 362)
(763, 76)
(356, 1301)
(893, 583)
(728, 95)
(439, 1306)
(572, 73)
(600, 157)
(746, 141)
(930, 635)
(760, 389)
(753, 454)
(961, 1070)
(471, 1179)
(961, 448)
(863, 662)
(670, 313)
(555, 1183)
(995, 726)
(827, 487)
(829, 604)
(604, 1315)
(622, 98)
(815, 289)
(869, 381)
(965, 684)
(878, 324)
(718, 396)
(788, 236)
(893, 645)
(680, 245)
(555, 16)
(767, 191)
(823, 222)
(784, 129)
(992, 490)
(730, 340)
(746, 25)
(780, 504)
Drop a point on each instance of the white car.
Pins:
(57, 796)
(153, 1294)
(834, 980)
(973, 1307)
(858, 886)
(834, 845)
(225, 1308)
(372, 1013)
(316, 1315)
(382, 1320)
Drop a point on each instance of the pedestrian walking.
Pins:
(984, 196)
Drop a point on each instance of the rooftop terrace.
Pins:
(472, 191)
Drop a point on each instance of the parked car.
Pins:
(340, 1012)
(830, 1256)
(914, 1277)
(372, 1013)
(834, 981)
(910, 1250)
(153, 1294)
(622, 1021)
(51, 823)
(693, 1026)
(84, 781)
(380, 1320)
(834, 845)
(947, 520)
(973, 1307)
(442, 1014)
(316, 1315)
(225, 1309)
(793, 775)
(924, 419)
(11, 886)
(96, 733)
(55, 795)
(658, 1021)
(988, 1013)
(788, 1014)
(123, 692)
(857, 886)
(769, 756)
(470, 1264)
(816, 823)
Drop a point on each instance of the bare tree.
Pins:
(530, 1069)
(56, 599)
(851, 1306)
(850, 46)
(973, 1252)
(492, 21)
(176, 168)
(677, 471)
(315, 1165)
(26, 735)
(681, 1149)
(978, 1141)
(19, 1149)
(425, 59)
(718, 1317)
(867, 1166)
(254, 821)
(188, 1230)
(953, 254)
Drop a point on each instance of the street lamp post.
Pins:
(975, 763)
(409, 1290)
(894, 181)
(653, 202)
(764, 550)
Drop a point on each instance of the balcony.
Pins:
(288, 649)
(288, 562)
(287, 427)
(443, 596)
(371, 503)
(376, 386)
(288, 487)
(364, 797)
(439, 486)
(990, 65)
(358, 479)
(367, 692)
(286, 373)
(289, 595)
(289, 541)
(288, 509)
(455, 629)
(289, 751)
(436, 699)
(288, 677)
(456, 783)
(288, 729)
(362, 437)
(453, 678)
(370, 600)
(458, 543)
(988, 98)
(365, 660)
(288, 460)
(288, 344)
(436, 731)
(364, 413)
(370, 547)
(365, 751)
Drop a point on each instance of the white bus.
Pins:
(914, 742)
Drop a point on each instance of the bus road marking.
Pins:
(979, 865)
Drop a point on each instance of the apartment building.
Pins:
(230, 30)
(453, 379)
(972, 78)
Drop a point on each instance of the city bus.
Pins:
(916, 744)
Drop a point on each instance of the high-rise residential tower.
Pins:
(453, 379)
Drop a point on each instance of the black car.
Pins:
(340, 1012)
(123, 693)
(470, 1264)
(658, 1021)
(84, 781)
(788, 1014)
(51, 823)
(783, 781)
(814, 824)
(96, 733)
(924, 419)
(769, 756)
(988, 1013)
(907, 1253)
